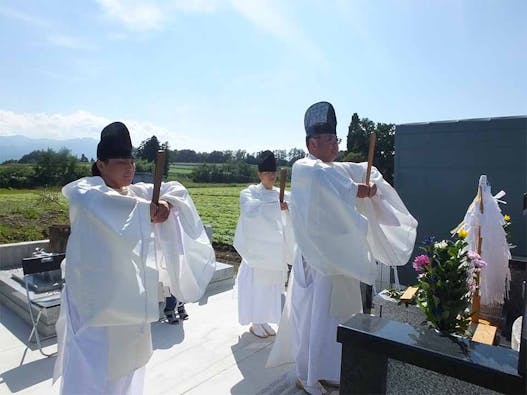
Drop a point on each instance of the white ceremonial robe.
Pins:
(339, 237)
(113, 260)
(264, 239)
(496, 276)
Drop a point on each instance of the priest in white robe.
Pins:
(341, 226)
(121, 245)
(264, 240)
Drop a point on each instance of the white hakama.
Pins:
(316, 328)
(85, 355)
(257, 303)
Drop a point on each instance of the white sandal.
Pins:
(268, 329)
(258, 331)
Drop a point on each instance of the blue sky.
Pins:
(239, 74)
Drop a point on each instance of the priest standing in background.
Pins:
(342, 227)
(264, 240)
(121, 245)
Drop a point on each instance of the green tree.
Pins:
(358, 143)
(148, 149)
(354, 132)
(185, 156)
(32, 157)
(165, 147)
(295, 154)
(281, 157)
(240, 155)
(385, 150)
(58, 168)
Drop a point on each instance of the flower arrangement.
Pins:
(447, 279)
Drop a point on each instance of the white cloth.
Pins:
(341, 235)
(264, 239)
(338, 238)
(516, 333)
(316, 327)
(257, 303)
(264, 235)
(85, 355)
(496, 276)
(307, 328)
(113, 259)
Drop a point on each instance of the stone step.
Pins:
(13, 296)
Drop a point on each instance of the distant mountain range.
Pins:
(15, 147)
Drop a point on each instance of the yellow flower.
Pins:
(462, 233)
(506, 218)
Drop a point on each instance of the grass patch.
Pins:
(26, 215)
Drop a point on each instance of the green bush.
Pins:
(233, 172)
(15, 175)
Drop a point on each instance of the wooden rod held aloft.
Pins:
(371, 153)
(158, 175)
(283, 179)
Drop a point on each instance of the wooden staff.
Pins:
(158, 175)
(476, 298)
(371, 153)
(283, 179)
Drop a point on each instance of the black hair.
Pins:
(95, 170)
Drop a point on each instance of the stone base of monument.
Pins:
(13, 296)
(409, 379)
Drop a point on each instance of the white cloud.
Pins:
(269, 16)
(24, 17)
(136, 15)
(148, 15)
(77, 124)
(266, 15)
(70, 42)
(56, 126)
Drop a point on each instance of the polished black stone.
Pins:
(367, 342)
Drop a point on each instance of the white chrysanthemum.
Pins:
(441, 245)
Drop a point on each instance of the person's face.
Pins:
(325, 147)
(267, 178)
(118, 172)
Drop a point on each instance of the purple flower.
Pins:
(476, 260)
(420, 262)
(479, 263)
(429, 240)
(472, 255)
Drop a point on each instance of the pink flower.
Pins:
(420, 262)
(479, 263)
(472, 255)
(476, 260)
